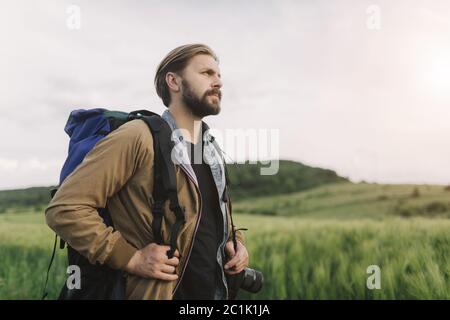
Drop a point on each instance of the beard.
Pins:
(199, 106)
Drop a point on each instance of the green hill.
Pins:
(296, 190)
(246, 182)
(20, 199)
(349, 200)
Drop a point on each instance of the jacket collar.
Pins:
(214, 158)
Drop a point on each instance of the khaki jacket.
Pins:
(118, 172)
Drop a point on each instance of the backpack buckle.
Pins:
(133, 116)
(157, 207)
(179, 211)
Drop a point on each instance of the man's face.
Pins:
(201, 86)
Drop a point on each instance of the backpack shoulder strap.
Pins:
(165, 182)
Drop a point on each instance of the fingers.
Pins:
(176, 253)
(162, 253)
(165, 276)
(173, 262)
(236, 269)
(166, 272)
(229, 248)
(232, 262)
(167, 248)
(167, 269)
(240, 266)
(241, 255)
(164, 248)
(238, 262)
(232, 272)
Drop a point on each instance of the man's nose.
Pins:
(217, 83)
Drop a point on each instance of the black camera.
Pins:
(250, 280)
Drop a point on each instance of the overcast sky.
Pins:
(360, 87)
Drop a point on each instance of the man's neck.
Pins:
(187, 121)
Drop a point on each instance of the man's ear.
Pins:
(173, 81)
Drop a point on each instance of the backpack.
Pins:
(86, 128)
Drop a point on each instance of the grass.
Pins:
(25, 249)
(315, 244)
(328, 259)
(300, 258)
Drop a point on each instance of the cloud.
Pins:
(336, 90)
(29, 172)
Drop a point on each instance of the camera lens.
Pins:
(252, 280)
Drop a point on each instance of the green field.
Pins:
(315, 244)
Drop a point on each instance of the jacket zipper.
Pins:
(199, 213)
(223, 244)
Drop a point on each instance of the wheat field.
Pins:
(300, 258)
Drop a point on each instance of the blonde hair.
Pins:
(175, 61)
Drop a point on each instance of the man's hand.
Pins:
(239, 259)
(152, 262)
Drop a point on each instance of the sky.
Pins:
(359, 87)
